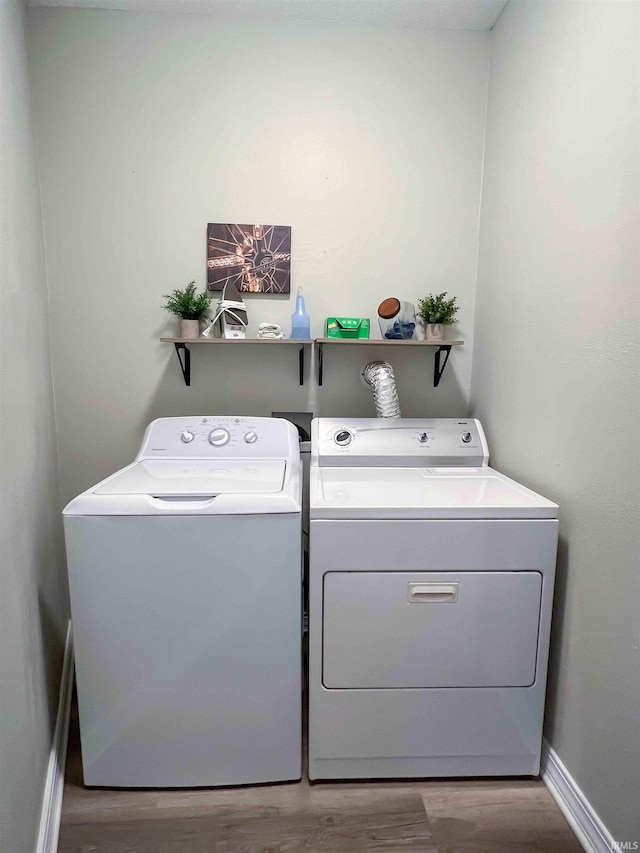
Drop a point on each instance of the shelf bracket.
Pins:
(185, 362)
(320, 364)
(439, 364)
(301, 365)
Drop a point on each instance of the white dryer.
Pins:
(185, 579)
(431, 587)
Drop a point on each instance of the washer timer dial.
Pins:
(218, 437)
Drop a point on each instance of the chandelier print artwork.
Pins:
(254, 258)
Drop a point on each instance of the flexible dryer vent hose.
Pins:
(380, 375)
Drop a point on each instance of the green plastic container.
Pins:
(347, 327)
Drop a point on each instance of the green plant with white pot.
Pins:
(437, 312)
(191, 307)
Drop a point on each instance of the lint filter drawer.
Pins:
(430, 629)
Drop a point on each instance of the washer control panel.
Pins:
(214, 436)
(398, 442)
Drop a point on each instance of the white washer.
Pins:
(431, 587)
(185, 579)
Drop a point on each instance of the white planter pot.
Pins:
(434, 332)
(190, 329)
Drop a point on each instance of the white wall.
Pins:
(366, 141)
(33, 603)
(556, 358)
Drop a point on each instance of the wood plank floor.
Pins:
(450, 816)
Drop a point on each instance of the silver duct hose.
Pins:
(380, 375)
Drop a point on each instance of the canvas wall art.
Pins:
(254, 258)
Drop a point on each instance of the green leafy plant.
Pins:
(187, 304)
(437, 309)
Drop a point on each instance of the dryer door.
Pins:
(430, 629)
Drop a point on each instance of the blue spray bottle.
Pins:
(300, 323)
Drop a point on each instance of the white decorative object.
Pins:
(232, 315)
(270, 331)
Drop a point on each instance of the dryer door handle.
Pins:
(433, 593)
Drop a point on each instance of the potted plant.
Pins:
(190, 306)
(436, 313)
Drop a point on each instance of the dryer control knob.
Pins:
(186, 436)
(423, 438)
(251, 437)
(343, 437)
(465, 437)
(218, 437)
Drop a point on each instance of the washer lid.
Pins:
(184, 478)
(422, 493)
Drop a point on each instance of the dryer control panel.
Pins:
(398, 442)
(218, 437)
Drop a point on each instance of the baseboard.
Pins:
(582, 818)
(54, 786)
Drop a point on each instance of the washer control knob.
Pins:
(218, 437)
(186, 436)
(343, 437)
(465, 437)
(423, 438)
(251, 437)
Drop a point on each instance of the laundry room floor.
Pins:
(441, 816)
